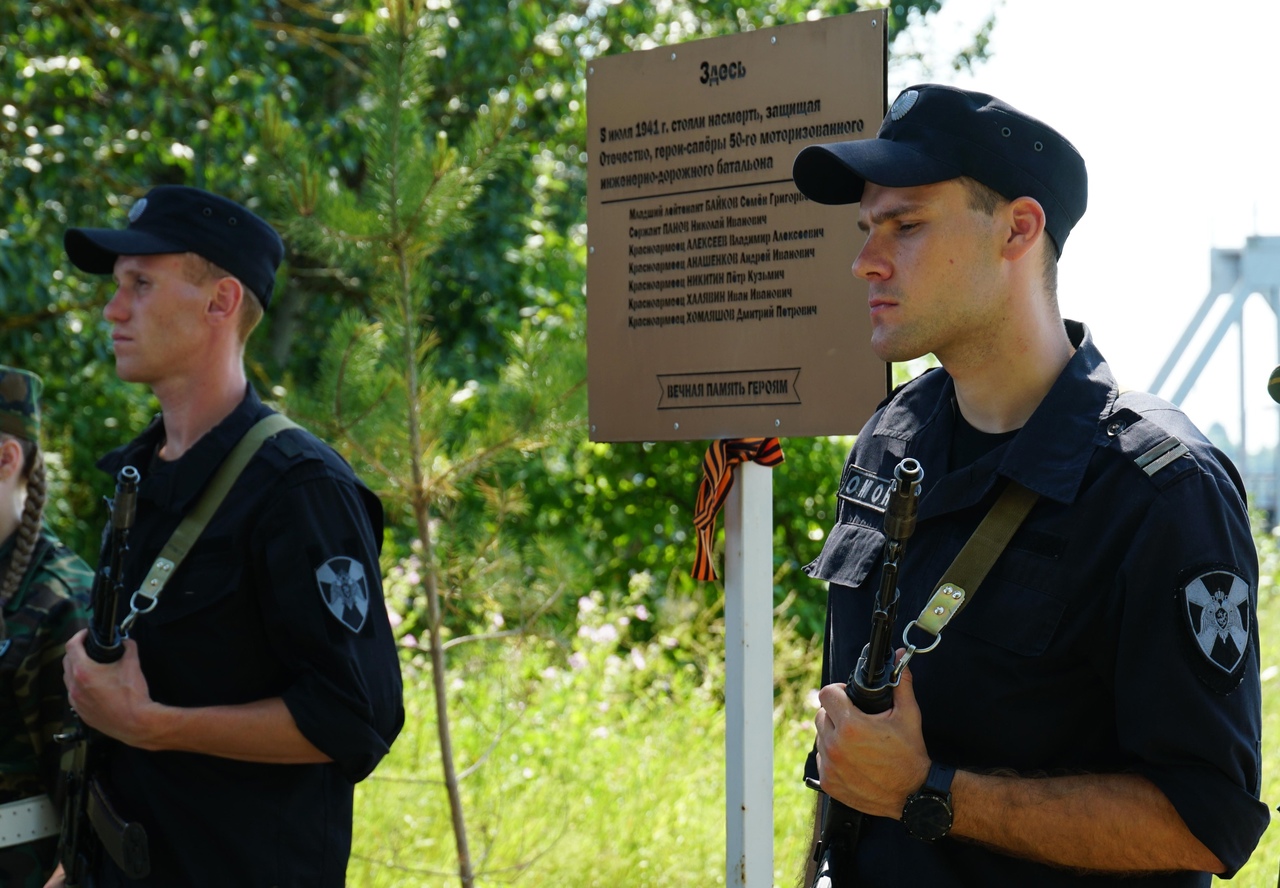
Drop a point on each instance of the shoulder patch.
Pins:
(344, 590)
(865, 489)
(1216, 613)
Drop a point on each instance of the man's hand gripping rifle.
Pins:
(870, 685)
(89, 823)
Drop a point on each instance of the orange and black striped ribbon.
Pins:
(717, 478)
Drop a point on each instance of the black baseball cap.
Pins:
(934, 133)
(181, 219)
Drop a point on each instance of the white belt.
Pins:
(27, 820)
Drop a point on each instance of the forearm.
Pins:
(1116, 822)
(261, 731)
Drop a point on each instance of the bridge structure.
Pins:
(1236, 276)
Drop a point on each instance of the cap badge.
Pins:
(902, 104)
(137, 209)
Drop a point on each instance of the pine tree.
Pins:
(429, 439)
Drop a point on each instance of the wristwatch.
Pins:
(927, 813)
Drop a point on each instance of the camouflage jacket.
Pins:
(49, 607)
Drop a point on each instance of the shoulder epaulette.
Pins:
(1150, 444)
(1161, 455)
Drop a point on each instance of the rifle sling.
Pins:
(194, 522)
(974, 561)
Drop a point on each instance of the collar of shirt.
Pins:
(1049, 455)
(175, 485)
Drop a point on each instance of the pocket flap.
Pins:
(849, 555)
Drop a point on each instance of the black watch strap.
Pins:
(939, 779)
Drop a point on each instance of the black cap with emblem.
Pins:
(934, 133)
(181, 219)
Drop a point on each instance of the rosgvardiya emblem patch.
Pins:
(1215, 605)
(344, 590)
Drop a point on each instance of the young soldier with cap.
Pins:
(248, 702)
(1092, 715)
(44, 592)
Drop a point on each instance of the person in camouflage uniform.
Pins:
(44, 594)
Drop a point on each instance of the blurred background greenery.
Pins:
(586, 667)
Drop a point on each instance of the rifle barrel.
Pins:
(103, 644)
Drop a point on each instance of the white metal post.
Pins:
(748, 616)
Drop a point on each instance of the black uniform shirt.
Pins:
(280, 597)
(1116, 633)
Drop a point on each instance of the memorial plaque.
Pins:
(720, 301)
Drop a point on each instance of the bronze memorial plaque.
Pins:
(720, 302)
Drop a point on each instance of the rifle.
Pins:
(870, 685)
(86, 808)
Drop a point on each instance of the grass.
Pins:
(609, 771)
(1263, 868)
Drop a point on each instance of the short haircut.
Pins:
(199, 270)
(986, 201)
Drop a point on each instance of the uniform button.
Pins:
(1114, 429)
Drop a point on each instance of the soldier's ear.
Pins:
(1025, 226)
(225, 299)
(10, 457)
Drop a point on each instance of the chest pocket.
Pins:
(1010, 614)
(208, 576)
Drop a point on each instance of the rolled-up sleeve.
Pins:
(1188, 698)
(327, 620)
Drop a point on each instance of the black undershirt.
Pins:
(968, 444)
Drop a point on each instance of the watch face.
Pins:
(927, 816)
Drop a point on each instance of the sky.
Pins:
(1175, 107)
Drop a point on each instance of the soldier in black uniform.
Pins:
(265, 682)
(1092, 717)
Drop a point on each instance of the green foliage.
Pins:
(97, 104)
(596, 760)
(100, 102)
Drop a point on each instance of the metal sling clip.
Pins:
(144, 600)
(945, 604)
